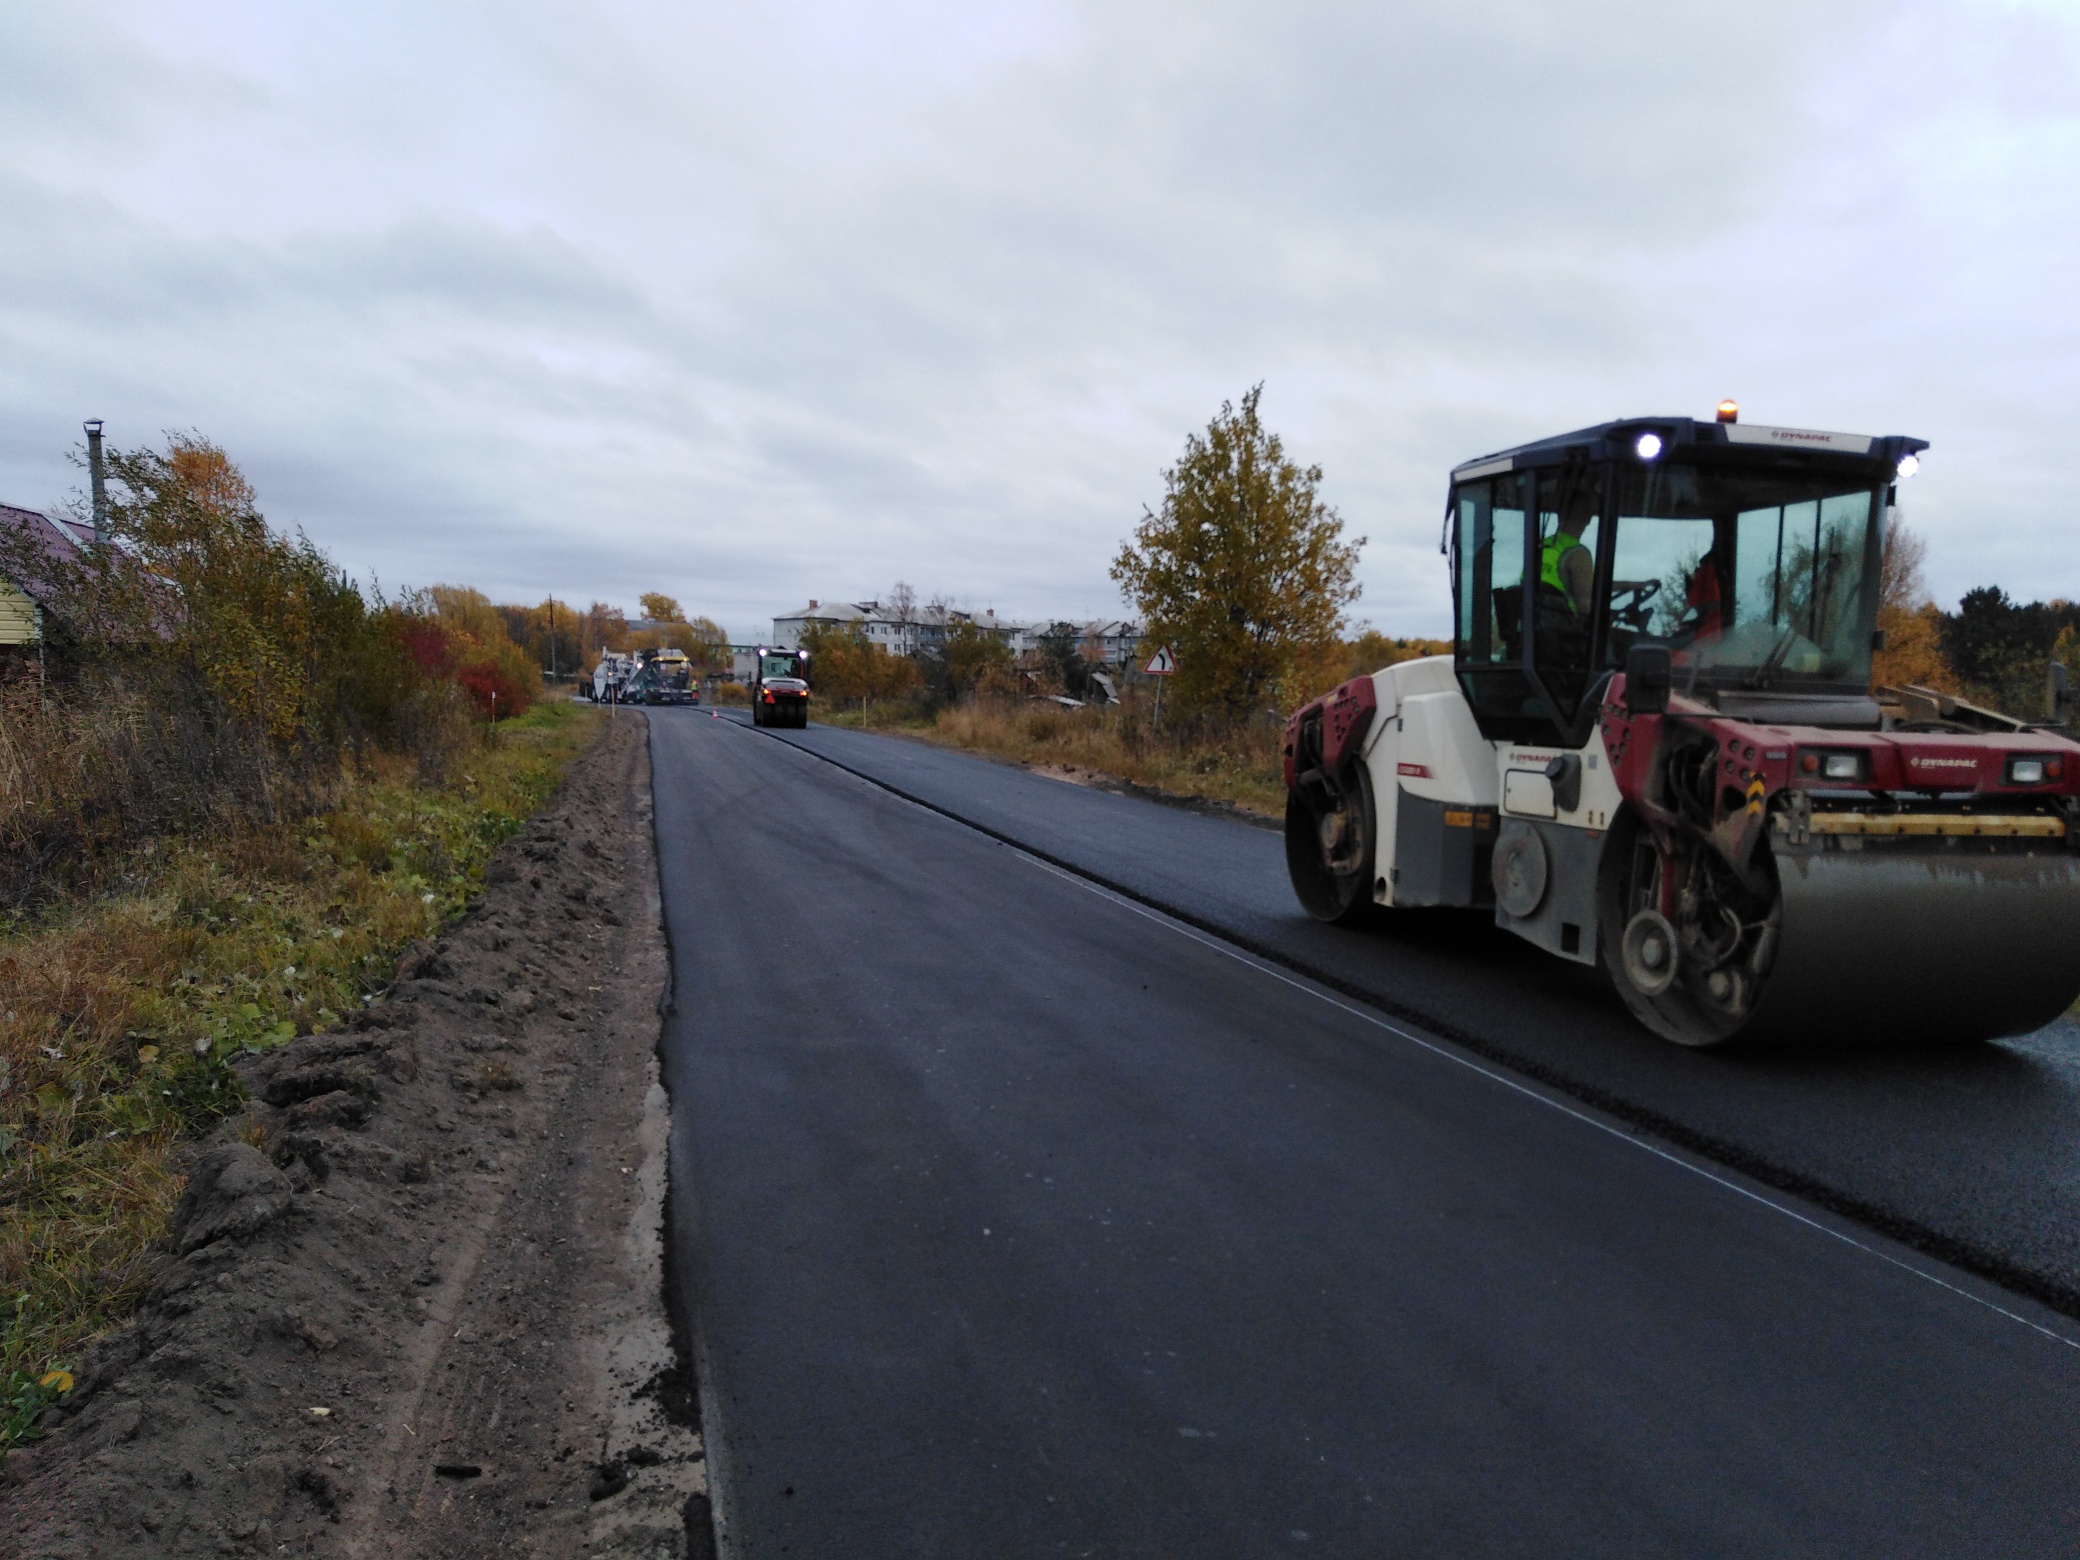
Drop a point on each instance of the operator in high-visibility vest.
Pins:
(1565, 564)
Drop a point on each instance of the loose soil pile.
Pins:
(413, 1302)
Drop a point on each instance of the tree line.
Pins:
(563, 641)
(202, 667)
(847, 667)
(1243, 571)
(1992, 650)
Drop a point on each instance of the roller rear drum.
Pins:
(1330, 848)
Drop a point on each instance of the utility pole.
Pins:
(97, 476)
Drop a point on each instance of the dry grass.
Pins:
(1240, 767)
(91, 775)
(119, 1015)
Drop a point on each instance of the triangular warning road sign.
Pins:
(1161, 664)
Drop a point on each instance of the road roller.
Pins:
(1656, 749)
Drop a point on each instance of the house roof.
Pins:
(831, 612)
(58, 540)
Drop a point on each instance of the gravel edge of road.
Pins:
(1964, 1255)
(413, 1302)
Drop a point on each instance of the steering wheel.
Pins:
(1630, 603)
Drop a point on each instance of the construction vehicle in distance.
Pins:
(662, 677)
(1656, 748)
(779, 687)
(613, 673)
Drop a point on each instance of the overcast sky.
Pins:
(759, 302)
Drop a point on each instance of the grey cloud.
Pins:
(759, 303)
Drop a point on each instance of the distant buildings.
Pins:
(898, 632)
(922, 628)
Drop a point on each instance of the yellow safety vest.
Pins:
(1554, 548)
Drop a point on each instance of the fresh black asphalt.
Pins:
(1972, 1154)
(1012, 1218)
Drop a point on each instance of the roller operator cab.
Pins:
(780, 687)
(1656, 748)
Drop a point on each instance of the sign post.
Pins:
(1161, 664)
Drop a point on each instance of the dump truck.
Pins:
(1656, 749)
(779, 687)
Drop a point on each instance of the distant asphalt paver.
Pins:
(1012, 1216)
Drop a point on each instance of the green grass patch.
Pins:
(120, 1016)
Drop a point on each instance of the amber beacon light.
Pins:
(1729, 411)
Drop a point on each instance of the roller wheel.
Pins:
(1329, 853)
(1698, 983)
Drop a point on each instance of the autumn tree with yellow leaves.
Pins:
(1244, 572)
(1911, 623)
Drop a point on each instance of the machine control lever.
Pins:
(1649, 674)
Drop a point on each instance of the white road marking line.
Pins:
(1622, 1135)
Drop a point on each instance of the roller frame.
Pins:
(1924, 894)
(1906, 917)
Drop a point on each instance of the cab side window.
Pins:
(1570, 527)
(1490, 533)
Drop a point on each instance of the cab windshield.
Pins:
(1753, 578)
(1755, 573)
(770, 666)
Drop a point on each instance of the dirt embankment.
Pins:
(413, 1305)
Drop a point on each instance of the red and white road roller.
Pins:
(1656, 748)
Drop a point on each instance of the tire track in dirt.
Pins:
(413, 1304)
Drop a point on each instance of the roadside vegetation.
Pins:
(1243, 571)
(1992, 651)
(563, 642)
(1238, 767)
(233, 790)
(1233, 763)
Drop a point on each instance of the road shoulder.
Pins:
(414, 1304)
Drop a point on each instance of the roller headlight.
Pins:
(1648, 447)
(2033, 771)
(1832, 766)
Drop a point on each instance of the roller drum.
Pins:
(1918, 945)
